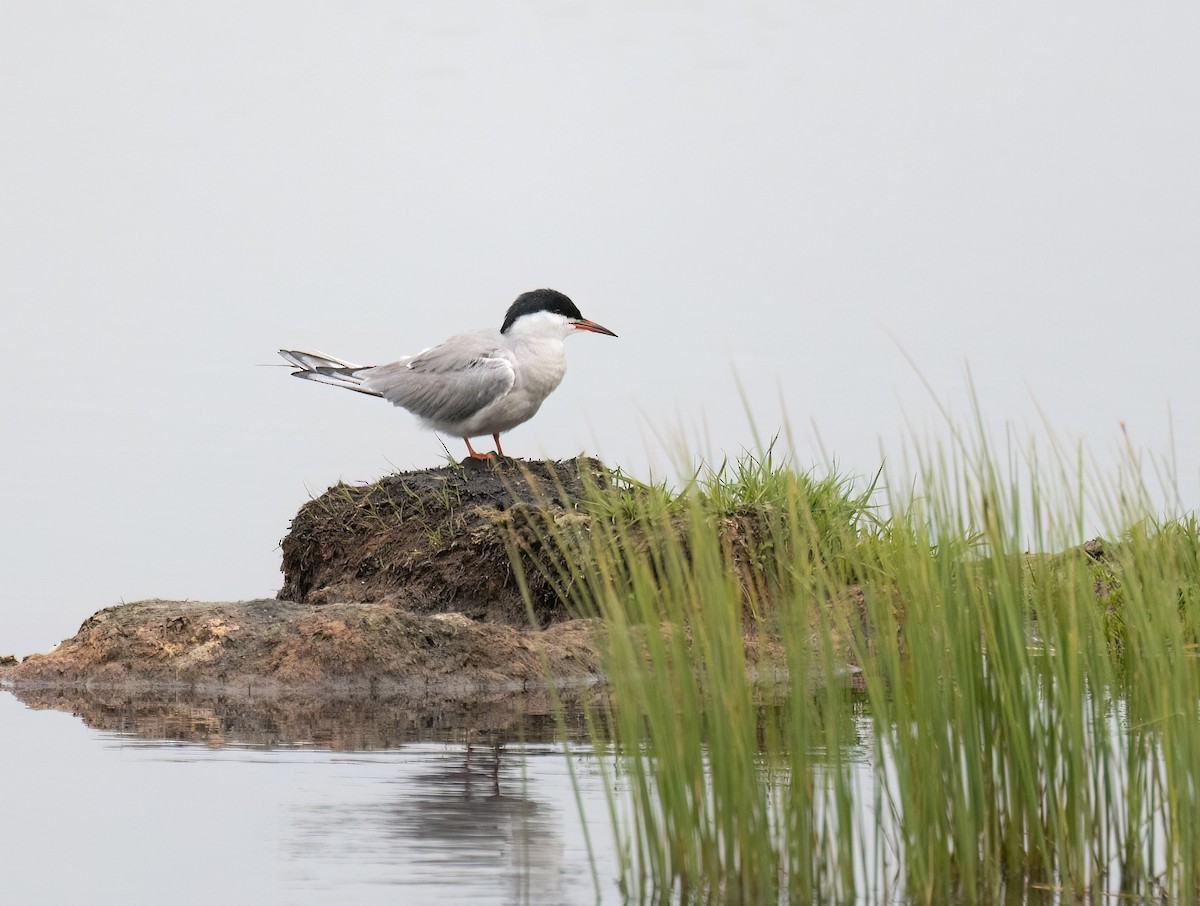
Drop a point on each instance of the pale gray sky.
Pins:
(795, 191)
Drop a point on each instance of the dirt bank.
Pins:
(434, 541)
(404, 586)
(271, 646)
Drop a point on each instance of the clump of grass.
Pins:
(765, 512)
(681, 580)
(1031, 720)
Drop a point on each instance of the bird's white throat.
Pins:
(540, 325)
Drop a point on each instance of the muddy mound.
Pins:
(268, 648)
(434, 541)
(402, 587)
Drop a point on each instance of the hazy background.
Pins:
(798, 192)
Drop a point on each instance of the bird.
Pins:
(476, 383)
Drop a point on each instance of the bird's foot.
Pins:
(487, 461)
(498, 456)
(472, 453)
(474, 460)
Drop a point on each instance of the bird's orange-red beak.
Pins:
(585, 324)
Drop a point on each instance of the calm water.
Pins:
(110, 816)
(148, 799)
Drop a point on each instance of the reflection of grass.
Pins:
(1033, 717)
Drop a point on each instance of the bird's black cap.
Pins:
(540, 300)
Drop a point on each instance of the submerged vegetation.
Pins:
(955, 701)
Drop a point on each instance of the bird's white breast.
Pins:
(538, 365)
(534, 347)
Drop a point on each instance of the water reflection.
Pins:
(298, 801)
(487, 822)
(482, 818)
(351, 723)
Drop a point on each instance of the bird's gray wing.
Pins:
(447, 383)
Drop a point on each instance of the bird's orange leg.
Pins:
(496, 438)
(475, 455)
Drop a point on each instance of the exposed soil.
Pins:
(402, 587)
(436, 541)
(270, 647)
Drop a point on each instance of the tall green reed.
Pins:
(1032, 715)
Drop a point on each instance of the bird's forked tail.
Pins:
(324, 369)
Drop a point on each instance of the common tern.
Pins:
(476, 383)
